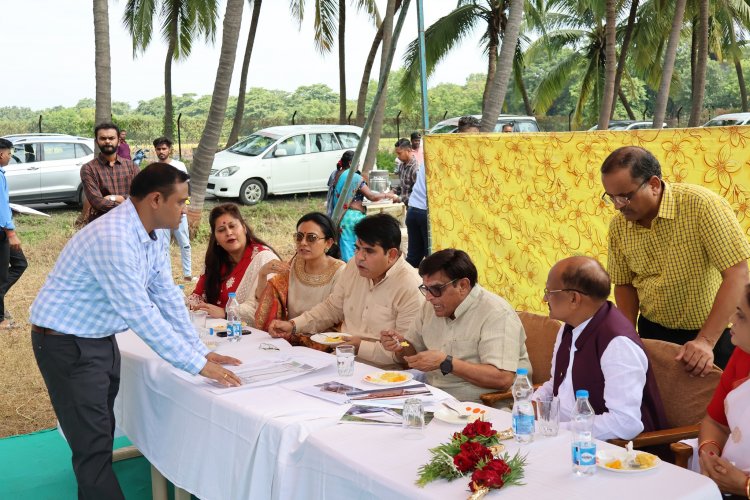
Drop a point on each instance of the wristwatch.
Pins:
(447, 365)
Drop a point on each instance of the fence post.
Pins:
(678, 116)
(570, 123)
(179, 137)
(398, 125)
(40, 124)
(445, 114)
(349, 118)
(295, 114)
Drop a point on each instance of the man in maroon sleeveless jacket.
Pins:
(598, 350)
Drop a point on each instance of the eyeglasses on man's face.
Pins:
(548, 292)
(623, 199)
(309, 237)
(435, 290)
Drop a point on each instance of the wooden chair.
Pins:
(541, 332)
(685, 398)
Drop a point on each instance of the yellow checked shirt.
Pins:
(675, 265)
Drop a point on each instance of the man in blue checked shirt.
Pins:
(114, 275)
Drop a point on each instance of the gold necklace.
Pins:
(315, 279)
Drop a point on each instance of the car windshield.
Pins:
(253, 145)
(724, 122)
(443, 129)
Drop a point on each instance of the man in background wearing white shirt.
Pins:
(598, 349)
(163, 149)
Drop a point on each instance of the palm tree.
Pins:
(670, 55)
(699, 76)
(448, 32)
(209, 141)
(240, 110)
(181, 21)
(730, 20)
(330, 20)
(621, 61)
(103, 69)
(494, 93)
(610, 65)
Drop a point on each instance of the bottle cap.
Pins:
(210, 331)
(581, 393)
(232, 295)
(522, 371)
(182, 287)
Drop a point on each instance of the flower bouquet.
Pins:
(475, 450)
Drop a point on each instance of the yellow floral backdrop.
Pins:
(518, 203)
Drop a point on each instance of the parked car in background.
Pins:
(280, 160)
(46, 168)
(729, 119)
(629, 125)
(520, 124)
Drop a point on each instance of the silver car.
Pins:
(46, 168)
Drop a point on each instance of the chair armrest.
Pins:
(682, 452)
(491, 398)
(665, 436)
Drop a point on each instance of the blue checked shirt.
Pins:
(112, 276)
(6, 216)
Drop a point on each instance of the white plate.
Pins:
(376, 378)
(605, 456)
(450, 416)
(322, 338)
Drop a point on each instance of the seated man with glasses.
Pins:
(376, 291)
(677, 256)
(466, 339)
(598, 349)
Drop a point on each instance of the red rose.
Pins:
(476, 451)
(498, 466)
(488, 478)
(464, 462)
(478, 428)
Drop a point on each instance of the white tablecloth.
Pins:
(272, 442)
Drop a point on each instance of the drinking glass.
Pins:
(199, 319)
(345, 360)
(413, 415)
(548, 415)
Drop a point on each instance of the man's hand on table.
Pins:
(279, 329)
(698, 356)
(223, 360)
(220, 374)
(212, 310)
(426, 361)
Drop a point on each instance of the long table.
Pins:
(272, 442)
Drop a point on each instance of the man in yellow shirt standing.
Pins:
(677, 255)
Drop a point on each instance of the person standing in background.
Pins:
(12, 260)
(417, 146)
(164, 151)
(123, 149)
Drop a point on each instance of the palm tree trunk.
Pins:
(240, 111)
(738, 67)
(168, 108)
(377, 122)
(670, 54)
(362, 97)
(210, 138)
(693, 52)
(524, 94)
(699, 89)
(102, 66)
(624, 55)
(493, 99)
(626, 105)
(610, 66)
(342, 62)
(491, 70)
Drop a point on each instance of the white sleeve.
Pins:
(624, 365)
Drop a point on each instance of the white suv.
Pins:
(46, 168)
(520, 124)
(280, 160)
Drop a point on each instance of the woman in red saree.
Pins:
(233, 261)
(306, 281)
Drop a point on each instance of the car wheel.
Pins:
(252, 192)
(78, 201)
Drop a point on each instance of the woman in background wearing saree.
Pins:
(306, 281)
(234, 258)
(353, 198)
(724, 438)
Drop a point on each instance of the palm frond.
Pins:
(553, 83)
(297, 10)
(138, 19)
(371, 8)
(326, 24)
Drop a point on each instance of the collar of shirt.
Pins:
(143, 235)
(103, 161)
(400, 262)
(466, 304)
(667, 206)
(579, 329)
(2, 170)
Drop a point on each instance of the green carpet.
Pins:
(37, 467)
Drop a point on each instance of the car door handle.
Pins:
(32, 168)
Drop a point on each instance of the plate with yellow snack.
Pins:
(330, 338)
(388, 378)
(620, 461)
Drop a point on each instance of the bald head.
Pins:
(584, 274)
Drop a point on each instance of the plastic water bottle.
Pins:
(584, 446)
(234, 324)
(523, 410)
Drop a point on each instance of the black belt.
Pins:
(45, 331)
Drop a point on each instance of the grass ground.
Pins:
(24, 404)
